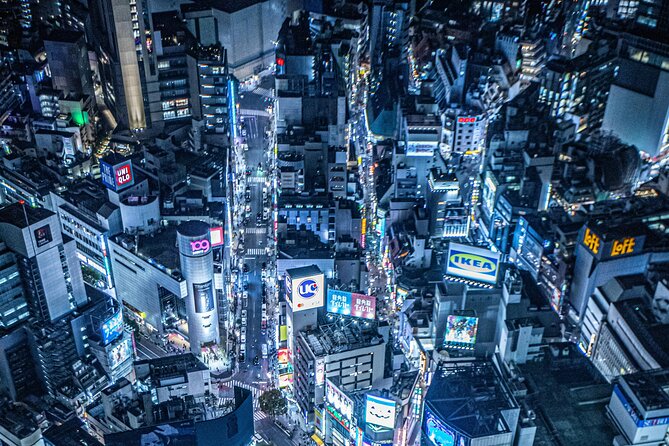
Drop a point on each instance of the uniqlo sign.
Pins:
(123, 175)
(117, 176)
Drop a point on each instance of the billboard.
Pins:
(42, 235)
(283, 356)
(320, 371)
(203, 295)
(338, 399)
(119, 353)
(473, 263)
(307, 292)
(437, 433)
(285, 380)
(216, 236)
(112, 328)
(351, 304)
(117, 176)
(461, 331)
(380, 411)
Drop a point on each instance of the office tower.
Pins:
(124, 44)
(13, 306)
(18, 375)
(56, 353)
(212, 88)
(68, 61)
(197, 266)
(47, 260)
(654, 15)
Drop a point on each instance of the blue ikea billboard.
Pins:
(470, 262)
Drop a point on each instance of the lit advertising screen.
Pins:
(119, 353)
(285, 380)
(283, 356)
(112, 328)
(470, 262)
(436, 431)
(203, 295)
(216, 236)
(351, 304)
(42, 236)
(320, 371)
(308, 292)
(380, 411)
(337, 399)
(461, 331)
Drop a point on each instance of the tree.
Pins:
(273, 403)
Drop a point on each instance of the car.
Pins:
(264, 265)
(264, 350)
(243, 322)
(245, 268)
(241, 358)
(244, 314)
(243, 331)
(246, 286)
(256, 360)
(244, 339)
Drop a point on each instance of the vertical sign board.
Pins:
(203, 294)
(216, 236)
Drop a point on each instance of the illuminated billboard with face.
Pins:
(470, 262)
(380, 411)
(461, 332)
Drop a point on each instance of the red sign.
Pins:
(466, 120)
(283, 355)
(123, 174)
(363, 306)
(280, 62)
(216, 235)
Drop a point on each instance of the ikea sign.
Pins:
(470, 262)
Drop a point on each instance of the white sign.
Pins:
(474, 263)
(308, 292)
(380, 411)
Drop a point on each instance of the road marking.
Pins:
(255, 252)
(260, 230)
(259, 415)
(256, 180)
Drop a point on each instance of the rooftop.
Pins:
(338, 337)
(470, 397)
(22, 216)
(569, 397)
(650, 388)
(169, 367)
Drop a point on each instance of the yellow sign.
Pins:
(623, 246)
(592, 241)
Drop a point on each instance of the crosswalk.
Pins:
(263, 92)
(260, 230)
(255, 180)
(254, 391)
(254, 252)
(259, 415)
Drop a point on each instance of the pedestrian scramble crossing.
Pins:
(256, 392)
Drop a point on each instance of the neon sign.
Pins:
(200, 246)
(466, 120)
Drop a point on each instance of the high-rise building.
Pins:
(197, 266)
(68, 61)
(47, 260)
(212, 89)
(13, 306)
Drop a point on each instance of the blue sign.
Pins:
(107, 175)
(473, 263)
(339, 302)
(307, 289)
(112, 328)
